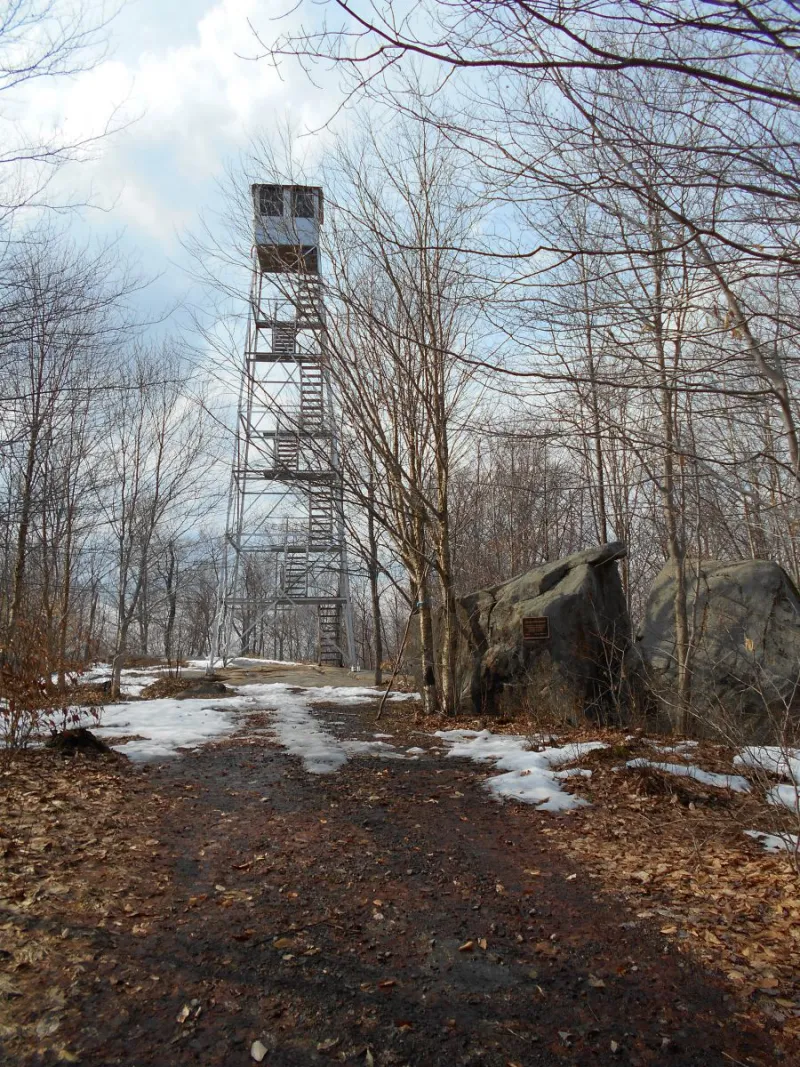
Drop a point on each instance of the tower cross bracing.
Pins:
(285, 534)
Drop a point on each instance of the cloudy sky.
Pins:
(174, 77)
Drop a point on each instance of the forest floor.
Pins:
(227, 907)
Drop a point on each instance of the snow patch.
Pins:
(132, 680)
(296, 731)
(679, 748)
(367, 747)
(734, 782)
(775, 842)
(164, 725)
(528, 776)
(242, 661)
(786, 796)
(168, 725)
(783, 762)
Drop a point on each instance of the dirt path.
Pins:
(303, 674)
(386, 914)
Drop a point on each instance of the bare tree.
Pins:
(158, 445)
(65, 308)
(404, 305)
(45, 40)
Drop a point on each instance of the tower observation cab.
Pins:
(285, 543)
(287, 224)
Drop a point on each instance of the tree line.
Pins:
(561, 263)
(570, 251)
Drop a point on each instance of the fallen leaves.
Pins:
(8, 989)
(72, 865)
(328, 1045)
(738, 911)
(258, 1051)
(288, 901)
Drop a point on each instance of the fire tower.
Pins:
(285, 543)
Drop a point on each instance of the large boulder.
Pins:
(575, 669)
(744, 624)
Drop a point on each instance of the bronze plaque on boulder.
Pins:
(535, 628)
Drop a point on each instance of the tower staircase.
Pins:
(285, 515)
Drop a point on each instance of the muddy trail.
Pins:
(390, 913)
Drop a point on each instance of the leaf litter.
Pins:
(81, 848)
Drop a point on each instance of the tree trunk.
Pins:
(373, 582)
(143, 614)
(119, 660)
(21, 553)
(172, 601)
(430, 697)
(449, 627)
(63, 623)
(675, 541)
(95, 596)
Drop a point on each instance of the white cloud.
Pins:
(191, 103)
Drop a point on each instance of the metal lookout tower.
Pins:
(285, 544)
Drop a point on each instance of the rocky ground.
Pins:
(226, 907)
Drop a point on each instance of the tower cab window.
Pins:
(271, 200)
(303, 203)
